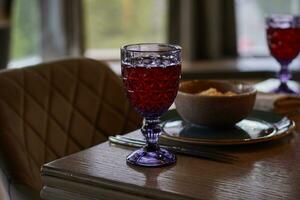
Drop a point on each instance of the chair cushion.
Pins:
(19, 191)
(11, 190)
(4, 180)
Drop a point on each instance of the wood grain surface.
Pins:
(264, 171)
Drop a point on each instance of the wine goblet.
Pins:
(151, 74)
(283, 42)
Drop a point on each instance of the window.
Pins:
(111, 24)
(25, 37)
(250, 23)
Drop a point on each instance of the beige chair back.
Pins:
(55, 109)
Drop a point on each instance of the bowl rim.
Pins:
(232, 82)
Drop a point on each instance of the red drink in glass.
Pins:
(283, 43)
(151, 90)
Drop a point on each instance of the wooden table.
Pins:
(264, 171)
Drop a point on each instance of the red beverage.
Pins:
(284, 43)
(151, 90)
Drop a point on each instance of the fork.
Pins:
(207, 153)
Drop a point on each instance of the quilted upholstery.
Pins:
(54, 109)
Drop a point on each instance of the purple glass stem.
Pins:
(151, 155)
(284, 74)
(151, 130)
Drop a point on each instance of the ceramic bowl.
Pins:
(216, 111)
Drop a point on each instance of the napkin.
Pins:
(289, 106)
(265, 101)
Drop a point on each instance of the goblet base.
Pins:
(274, 86)
(157, 158)
(284, 88)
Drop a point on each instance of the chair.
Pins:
(52, 110)
(4, 43)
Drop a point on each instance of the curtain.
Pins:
(5, 9)
(205, 29)
(62, 29)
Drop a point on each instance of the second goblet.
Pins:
(283, 41)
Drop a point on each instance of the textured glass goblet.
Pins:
(151, 74)
(283, 41)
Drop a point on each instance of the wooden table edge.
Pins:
(67, 182)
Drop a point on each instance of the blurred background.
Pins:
(230, 33)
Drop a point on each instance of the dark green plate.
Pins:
(259, 126)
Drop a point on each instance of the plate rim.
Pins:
(273, 136)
